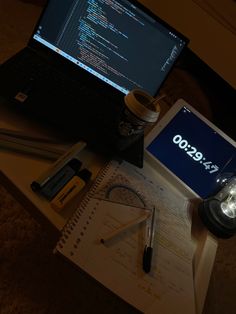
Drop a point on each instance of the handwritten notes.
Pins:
(122, 194)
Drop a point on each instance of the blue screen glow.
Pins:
(194, 152)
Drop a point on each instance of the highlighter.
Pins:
(71, 189)
(71, 154)
(62, 177)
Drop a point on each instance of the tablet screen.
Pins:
(194, 151)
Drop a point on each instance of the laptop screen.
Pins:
(118, 41)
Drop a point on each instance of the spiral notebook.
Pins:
(121, 193)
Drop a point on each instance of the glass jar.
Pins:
(218, 212)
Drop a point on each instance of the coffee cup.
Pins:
(140, 110)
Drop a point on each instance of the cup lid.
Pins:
(142, 105)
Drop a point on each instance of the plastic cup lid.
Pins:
(142, 105)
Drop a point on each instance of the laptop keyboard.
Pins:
(49, 85)
(67, 103)
(39, 72)
(41, 77)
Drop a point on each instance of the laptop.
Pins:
(197, 156)
(83, 57)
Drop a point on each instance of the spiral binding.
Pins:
(74, 220)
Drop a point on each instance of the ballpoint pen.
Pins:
(148, 250)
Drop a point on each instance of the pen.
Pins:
(58, 165)
(128, 225)
(38, 150)
(148, 250)
(21, 135)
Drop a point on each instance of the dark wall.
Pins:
(221, 95)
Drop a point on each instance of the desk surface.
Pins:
(19, 170)
(17, 179)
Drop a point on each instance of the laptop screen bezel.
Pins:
(67, 65)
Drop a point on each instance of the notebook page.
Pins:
(121, 195)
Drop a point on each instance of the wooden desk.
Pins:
(18, 171)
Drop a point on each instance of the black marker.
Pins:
(61, 178)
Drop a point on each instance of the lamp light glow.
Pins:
(228, 206)
(218, 212)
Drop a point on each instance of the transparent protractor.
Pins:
(126, 195)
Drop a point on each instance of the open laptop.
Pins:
(83, 57)
(197, 156)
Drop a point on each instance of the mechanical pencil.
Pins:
(148, 250)
(128, 225)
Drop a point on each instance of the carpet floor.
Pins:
(35, 281)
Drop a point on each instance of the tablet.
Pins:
(192, 149)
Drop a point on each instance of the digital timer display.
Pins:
(194, 152)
